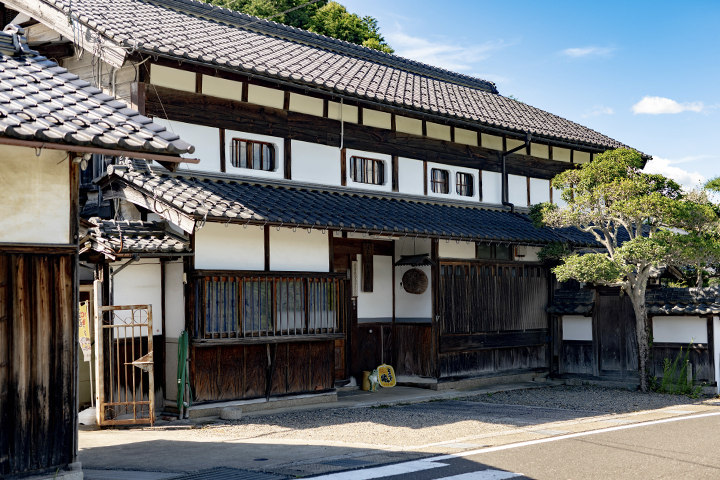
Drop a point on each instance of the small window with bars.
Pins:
(252, 154)
(439, 181)
(464, 184)
(367, 170)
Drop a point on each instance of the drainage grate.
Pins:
(224, 473)
(347, 462)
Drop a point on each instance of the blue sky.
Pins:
(644, 73)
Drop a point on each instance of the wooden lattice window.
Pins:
(367, 170)
(464, 184)
(252, 154)
(439, 181)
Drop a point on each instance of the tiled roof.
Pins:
(135, 237)
(200, 33)
(683, 301)
(572, 302)
(226, 198)
(43, 102)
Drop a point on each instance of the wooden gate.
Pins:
(125, 374)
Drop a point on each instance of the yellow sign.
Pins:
(386, 375)
(84, 330)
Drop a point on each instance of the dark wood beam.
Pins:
(56, 51)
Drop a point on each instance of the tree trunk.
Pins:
(699, 283)
(638, 300)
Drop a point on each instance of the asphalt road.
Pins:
(686, 447)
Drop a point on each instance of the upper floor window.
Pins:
(494, 251)
(252, 154)
(367, 170)
(439, 181)
(464, 184)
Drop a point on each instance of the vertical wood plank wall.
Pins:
(37, 369)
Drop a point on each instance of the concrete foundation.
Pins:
(484, 381)
(258, 404)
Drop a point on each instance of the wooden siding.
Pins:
(37, 362)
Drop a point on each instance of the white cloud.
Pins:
(598, 110)
(441, 53)
(588, 51)
(658, 105)
(688, 180)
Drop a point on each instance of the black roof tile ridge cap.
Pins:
(231, 17)
(290, 184)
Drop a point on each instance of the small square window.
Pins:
(464, 184)
(367, 170)
(494, 252)
(252, 154)
(439, 181)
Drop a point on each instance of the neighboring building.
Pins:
(51, 122)
(328, 171)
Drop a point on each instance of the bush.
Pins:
(674, 381)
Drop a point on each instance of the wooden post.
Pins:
(395, 173)
(435, 294)
(367, 267)
(343, 168)
(287, 167)
(223, 161)
(711, 349)
(266, 233)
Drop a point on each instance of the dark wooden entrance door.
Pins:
(616, 339)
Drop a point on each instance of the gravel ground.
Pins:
(588, 398)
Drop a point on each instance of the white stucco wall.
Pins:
(410, 307)
(172, 78)
(376, 306)
(315, 163)
(679, 330)
(174, 299)
(139, 284)
(492, 187)
(557, 199)
(410, 176)
(299, 251)
(34, 196)
(577, 327)
(206, 141)
(539, 191)
(452, 249)
(517, 190)
(387, 159)
(530, 255)
(277, 142)
(222, 87)
(231, 247)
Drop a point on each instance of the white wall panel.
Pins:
(539, 150)
(278, 142)
(231, 247)
(517, 190)
(577, 327)
(34, 196)
(139, 284)
(491, 141)
(376, 306)
(206, 141)
(438, 131)
(581, 157)
(305, 104)
(222, 87)
(679, 330)
(174, 299)
(530, 255)
(491, 187)
(172, 78)
(410, 176)
(270, 97)
(315, 163)
(452, 249)
(387, 159)
(511, 143)
(557, 198)
(408, 306)
(561, 154)
(299, 251)
(373, 118)
(349, 112)
(466, 137)
(539, 191)
(408, 125)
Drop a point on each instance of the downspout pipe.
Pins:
(505, 202)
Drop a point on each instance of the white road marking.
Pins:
(384, 471)
(484, 475)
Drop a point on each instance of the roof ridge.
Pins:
(261, 25)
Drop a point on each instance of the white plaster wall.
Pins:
(232, 247)
(492, 187)
(410, 176)
(206, 141)
(174, 299)
(491, 141)
(577, 327)
(581, 157)
(557, 198)
(376, 306)
(679, 329)
(410, 307)
(172, 78)
(349, 112)
(716, 350)
(385, 187)
(561, 154)
(517, 190)
(373, 118)
(452, 249)
(466, 137)
(539, 191)
(277, 173)
(438, 131)
(453, 183)
(269, 97)
(34, 196)
(299, 251)
(222, 87)
(315, 163)
(511, 143)
(139, 284)
(530, 255)
(305, 104)
(408, 125)
(539, 150)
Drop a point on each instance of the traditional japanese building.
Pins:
(351, 207)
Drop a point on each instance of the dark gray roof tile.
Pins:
(123, 237)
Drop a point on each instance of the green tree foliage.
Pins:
(610, 197)
(323, 17)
